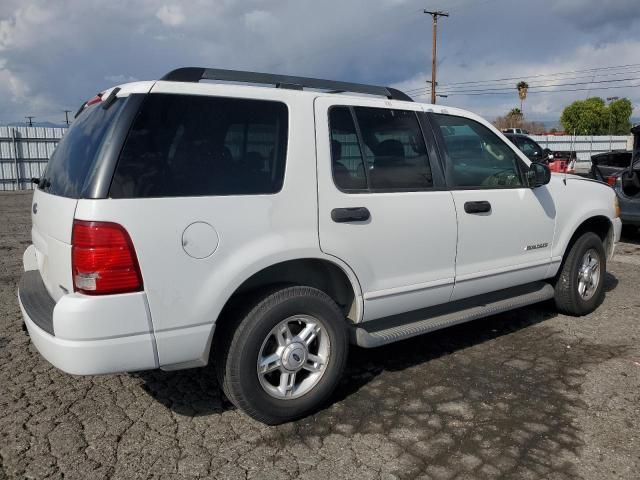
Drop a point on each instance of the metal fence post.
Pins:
(15, 159)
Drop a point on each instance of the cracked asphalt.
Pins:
(525, 395)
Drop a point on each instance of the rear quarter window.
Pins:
(192, 145)
(76, 157)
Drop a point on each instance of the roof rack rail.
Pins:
(195, 74)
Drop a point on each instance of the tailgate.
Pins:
(52, 222)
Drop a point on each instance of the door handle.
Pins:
(352, 214)
(477, 207)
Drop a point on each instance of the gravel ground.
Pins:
(528, 394)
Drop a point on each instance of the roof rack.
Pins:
(195, 74)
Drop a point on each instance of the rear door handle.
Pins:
(477, 207)
(352, 214)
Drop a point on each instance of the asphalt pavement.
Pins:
(529, 394)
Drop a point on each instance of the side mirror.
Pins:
(538, 175)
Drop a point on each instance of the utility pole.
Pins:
(29, 120)
(66, 116)
(434, 15)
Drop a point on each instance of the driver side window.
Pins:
(477, 158)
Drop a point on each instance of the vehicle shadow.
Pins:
(630, 235)
(610, 282)
(196, 391)
(494, 397)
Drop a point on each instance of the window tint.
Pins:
(395, 152)
(347, 164)
(76, 156)
(394, 156)
(618, 159)
(477, 157)
(530, 148)
(188, 145)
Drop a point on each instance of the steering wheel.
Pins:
(494, 179)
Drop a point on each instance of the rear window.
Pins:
(190, 145)
(75, 158)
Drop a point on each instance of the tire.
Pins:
(258, 340)
(569, 298)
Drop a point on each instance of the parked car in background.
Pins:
(518, 131)
(627, 187)
(608, 166)
(621, 170)
(530, 147)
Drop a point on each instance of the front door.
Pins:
(382, 206)
(505, 228)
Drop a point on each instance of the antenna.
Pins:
(571, 145)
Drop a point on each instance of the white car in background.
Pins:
(266, 229)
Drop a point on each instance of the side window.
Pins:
(346, 157)
(395, 152)
(531, 148)
(189, 145)
(477, 157)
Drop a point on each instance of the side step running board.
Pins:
(399, 327)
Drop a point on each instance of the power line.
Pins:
(452, 86)
(616, 67)
(510, 85)
(533, 87)
(540, 91)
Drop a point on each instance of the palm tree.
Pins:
(515, 117)
(522, 87)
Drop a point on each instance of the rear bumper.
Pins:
(85, 335)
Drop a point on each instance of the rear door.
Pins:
(65, 180)
(382, 206)
(505, 228)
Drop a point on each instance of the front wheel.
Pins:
(579, 288)
(285, 357)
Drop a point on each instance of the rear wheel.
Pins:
(579, 288)
(285, 357)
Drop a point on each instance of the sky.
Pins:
(56, 54)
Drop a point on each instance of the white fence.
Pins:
(24, 152)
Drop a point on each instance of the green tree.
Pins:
(619, 115)
(585, 117)
(593, 117)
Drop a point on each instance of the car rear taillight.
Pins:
(611, 180)
(94, 100)
(103, 259)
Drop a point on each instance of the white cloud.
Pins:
(544, 105)
(171, 15)
(260, 21)
(118, 79)
(17, 29)
(54, 55)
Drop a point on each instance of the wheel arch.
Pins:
(328, 275)
(601, 225)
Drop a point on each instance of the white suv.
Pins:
(266, 229)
